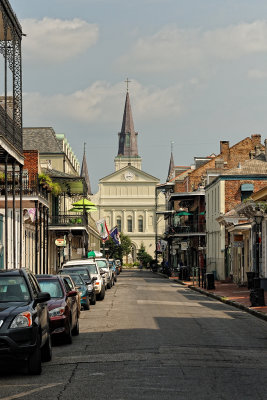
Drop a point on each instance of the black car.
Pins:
(86, 277)
(24, 320)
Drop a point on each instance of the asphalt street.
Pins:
(153, 339)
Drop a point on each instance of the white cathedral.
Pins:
(127, 197)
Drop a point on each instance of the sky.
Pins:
(198, 72)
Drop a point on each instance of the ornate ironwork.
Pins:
(10, 48)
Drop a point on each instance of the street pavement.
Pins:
(152, 338)
(229, 293)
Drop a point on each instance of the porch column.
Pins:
(14, 214)
(44, 238)
(47, 237)
(40, 241)
(6, 214)
(20, 216)
(36, 236)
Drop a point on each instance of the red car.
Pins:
(63, 307)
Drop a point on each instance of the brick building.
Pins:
(189, 232)
(223, 194)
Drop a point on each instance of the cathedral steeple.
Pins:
(171, 165)
(127, 135)
(127, 150)
(84, 172)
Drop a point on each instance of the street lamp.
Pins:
(258, 220)
(257, 293)
(70, 237)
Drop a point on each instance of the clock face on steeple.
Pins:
(128, 176)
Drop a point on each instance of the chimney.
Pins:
(257, 150)
(256, 140)
(224, 147)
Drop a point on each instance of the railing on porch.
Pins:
(69, 220)
(188, 228)
(30, 187)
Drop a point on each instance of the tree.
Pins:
(143, 256)
(118, 251)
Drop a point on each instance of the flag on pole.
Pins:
(114, 233)
(102, 228)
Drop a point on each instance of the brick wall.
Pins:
(31, 163)
(233, 192)
(239, 152)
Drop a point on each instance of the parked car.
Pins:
(24, 320)
(94, 272)
(73, 287)
(119, 266)
(89, 281)
(63, 306)
(112, 266)
(109, 276)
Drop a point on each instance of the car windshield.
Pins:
(90, 267)
(77, 279)
(83, 272)
(13, 289)
(52, 286)
(101, 263)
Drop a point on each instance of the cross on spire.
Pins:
(127, 84)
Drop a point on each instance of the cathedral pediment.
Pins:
(129, 174)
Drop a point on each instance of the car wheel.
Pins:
(76, 329)
(101, 295)
(115, 279)
(93, 300)
(68, 335)
(109, 285)
(87, 304)
(46, 352)
(34, 361)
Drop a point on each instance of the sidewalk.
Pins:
(229, 293)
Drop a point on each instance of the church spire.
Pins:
(127, 136)
(84, 173)
(171, 165)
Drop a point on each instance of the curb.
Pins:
(257, 314)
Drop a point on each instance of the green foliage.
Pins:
(143, 256)
(118, 251)
(47, 182)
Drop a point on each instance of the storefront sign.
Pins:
(60, 242)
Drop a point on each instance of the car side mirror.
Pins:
(72, 293)
(42, 297)
(94, 278)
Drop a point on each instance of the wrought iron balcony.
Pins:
(69, 220)
(30, 187)
(193, 228)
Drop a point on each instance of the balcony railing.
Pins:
(69, 220)
(187, 228)
(30, 187)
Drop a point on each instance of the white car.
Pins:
(109, 276)
(94, 271)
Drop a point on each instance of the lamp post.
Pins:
(257, 293)
(70, 237)
(258, 220)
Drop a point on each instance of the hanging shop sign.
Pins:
(60, 242)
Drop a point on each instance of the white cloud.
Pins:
(102, 102)
(257, 74)
(175, 49)
(55, 40)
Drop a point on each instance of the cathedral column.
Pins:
(135, 227)
(146, 221)
(123, 221)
